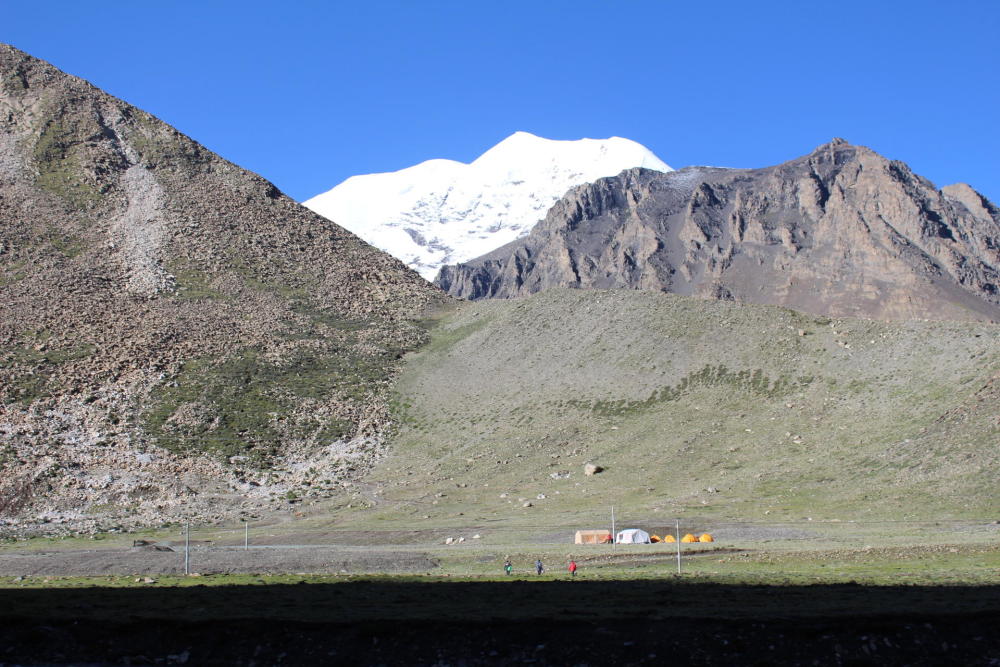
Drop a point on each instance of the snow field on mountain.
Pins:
(443, 211)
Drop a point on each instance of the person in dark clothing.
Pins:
(538, 566)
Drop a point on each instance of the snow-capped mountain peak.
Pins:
(443, 211)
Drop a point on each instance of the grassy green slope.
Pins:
(694, 408)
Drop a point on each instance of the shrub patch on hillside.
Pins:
(755, 382)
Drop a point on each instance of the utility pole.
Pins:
(187, 548)
(678, 528)
(246, 536)
(614, 540)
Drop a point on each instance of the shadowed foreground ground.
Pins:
(397, 621)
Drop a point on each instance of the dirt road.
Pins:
(216, 560)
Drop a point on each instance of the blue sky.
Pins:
(309, 93)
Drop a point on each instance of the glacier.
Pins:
(443, 211)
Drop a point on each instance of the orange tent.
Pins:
(592, 537)
(705, 537)
(655, 538)
(669, 538)
(689, 538)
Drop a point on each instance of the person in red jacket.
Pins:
(572, 568)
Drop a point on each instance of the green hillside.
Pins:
(693, 408)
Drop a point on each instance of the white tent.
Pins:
(633, 536)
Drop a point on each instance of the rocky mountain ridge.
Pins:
(842, 231)
(179, 339)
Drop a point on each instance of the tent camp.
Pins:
(633, 536)
(593, 537)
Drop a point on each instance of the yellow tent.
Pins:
(705, 537)
(669, 538)
(689, 538)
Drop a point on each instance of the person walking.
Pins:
(507, 567)
(539, 568)
(572, 568)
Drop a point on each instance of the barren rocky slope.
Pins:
(841, 232)
(177, 337)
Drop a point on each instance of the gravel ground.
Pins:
(262, 560)
(747, 532)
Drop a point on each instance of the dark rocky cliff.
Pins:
(842, 231)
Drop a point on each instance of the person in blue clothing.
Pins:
(539, 568)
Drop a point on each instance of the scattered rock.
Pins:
(179, 658)
(143, 545)
(592, 469)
